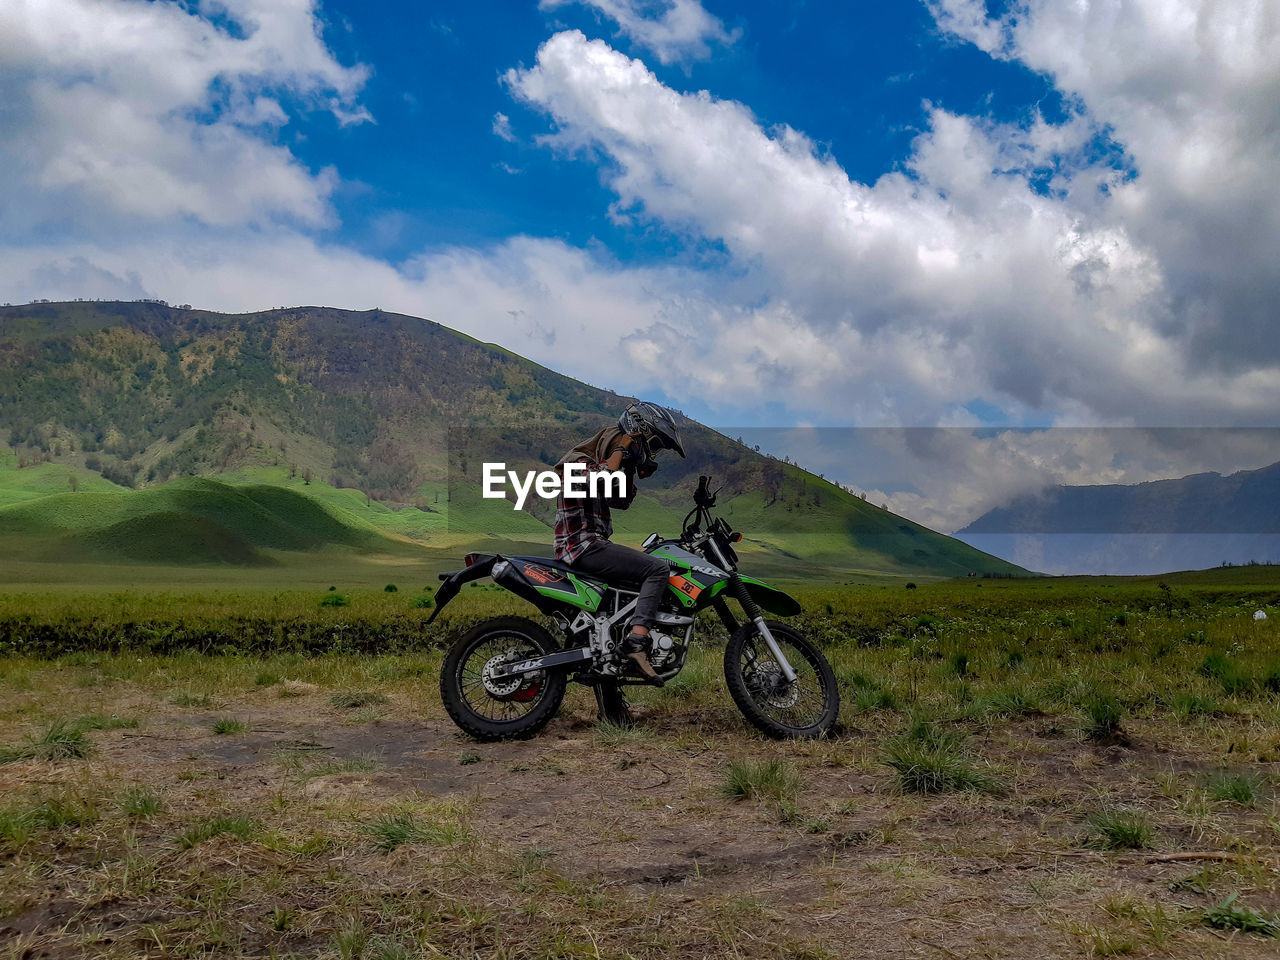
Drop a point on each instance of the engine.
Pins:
(662, 648)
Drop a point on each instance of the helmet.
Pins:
(654, 424)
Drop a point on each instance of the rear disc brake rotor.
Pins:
(501, 688)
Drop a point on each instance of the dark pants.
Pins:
(618, 564)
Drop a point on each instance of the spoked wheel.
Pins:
(805, 707)
(500, 708)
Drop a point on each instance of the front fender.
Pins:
(776, 601)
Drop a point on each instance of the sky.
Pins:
(783, 215)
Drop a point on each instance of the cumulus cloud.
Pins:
(1003, 267)
(891, 301)
(675, 31)
(1189, 89)
(151, 111)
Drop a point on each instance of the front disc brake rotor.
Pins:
(768, 681)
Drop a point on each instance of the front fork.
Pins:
(755, 616)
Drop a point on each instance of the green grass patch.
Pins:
(1104, 713)
(102, 721)
(229, 725)
(20, 822)
(1242, 789)
(352, 699)
(1228, 915)
(775, 780)
(139, 802)
(1121, 830)
(239, 827)
(60, 741)
(187, 698)
(930, 760)
(396, 829)
(1188, 706)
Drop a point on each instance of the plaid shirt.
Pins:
(581, 521)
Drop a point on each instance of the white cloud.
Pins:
(953, 279)
(675, 31)
(894, 302)
(1189, 88)
(151, 111)
(502, 127)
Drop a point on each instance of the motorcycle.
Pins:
(505, 679)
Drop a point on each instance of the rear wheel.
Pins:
(493, 708)
(805, 707)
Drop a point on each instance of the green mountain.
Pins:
(361, 430)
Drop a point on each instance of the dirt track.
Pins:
(617, 842)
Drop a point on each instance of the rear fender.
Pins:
(481, 566)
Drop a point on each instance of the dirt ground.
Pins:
(586, 842)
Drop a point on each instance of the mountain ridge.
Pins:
(388, 408)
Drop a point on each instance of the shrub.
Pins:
(390, 588)
(424, 602)
(334, 600)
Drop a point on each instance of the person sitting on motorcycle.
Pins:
(584, 525)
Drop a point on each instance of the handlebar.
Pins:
(703, 496)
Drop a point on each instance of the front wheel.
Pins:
(496, 708)
(805, 707)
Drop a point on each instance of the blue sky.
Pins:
(926, 213)
(854, 76)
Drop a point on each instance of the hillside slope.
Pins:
(192, 520)
(382, 415)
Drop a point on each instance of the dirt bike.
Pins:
(505, 679)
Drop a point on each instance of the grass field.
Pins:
(1024, 768)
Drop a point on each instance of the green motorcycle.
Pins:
(505, 679)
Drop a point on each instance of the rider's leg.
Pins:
(612, 561)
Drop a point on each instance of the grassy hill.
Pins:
(192, 520)
(147, 432)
